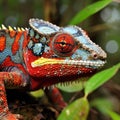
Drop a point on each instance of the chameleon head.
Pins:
(62, 53)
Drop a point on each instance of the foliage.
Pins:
(75, 109)
(100, 78)
(106, 107)
(89, 10)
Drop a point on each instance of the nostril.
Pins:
(94, 55)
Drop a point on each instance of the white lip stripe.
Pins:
(81, 62)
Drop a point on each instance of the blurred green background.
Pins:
(102, 27)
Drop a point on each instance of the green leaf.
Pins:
(37, 94)
(105, 106)
(89, 10)
(102, 104)
(100, 78)
(113, 115)
(78, 110)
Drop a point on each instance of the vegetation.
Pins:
(97, 99)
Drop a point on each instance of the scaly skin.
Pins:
(44, 55)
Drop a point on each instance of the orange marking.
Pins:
(15, 46)
(2, 43)
(26, 39)
(12, 33)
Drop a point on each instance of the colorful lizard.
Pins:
(44, 55)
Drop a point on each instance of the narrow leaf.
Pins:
(37, 94)
(89, 10)
(102, 104)
(105, 106)
(100, 78)
(78, 110)
(114, 115)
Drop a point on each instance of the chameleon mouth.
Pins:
(45, 61)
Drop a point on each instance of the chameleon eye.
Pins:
(63, 44)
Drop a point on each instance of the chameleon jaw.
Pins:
(45, 61)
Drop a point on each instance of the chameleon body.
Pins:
(44, 55)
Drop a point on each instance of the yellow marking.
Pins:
(3, 27)
(10, 28)
(19, 30)
(22, 29)
(45, 61)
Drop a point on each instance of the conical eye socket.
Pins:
(63, 44)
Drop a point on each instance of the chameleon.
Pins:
(44, 55)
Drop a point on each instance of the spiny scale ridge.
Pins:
(3, 27)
